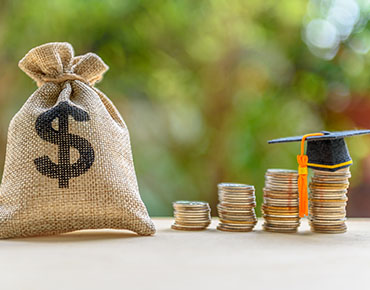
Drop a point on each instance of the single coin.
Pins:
(281, 215)
(279, 230)
(235, 210)
(235, 222)
(231, 229)
(193, 212)
(190, 203)
(288, 195)
(278, 171)
(185, 228)
(279, 218)
(235, 186)
(286, 201)
(280, 208)
(236, 194)
(238, 200)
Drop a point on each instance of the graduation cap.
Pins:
(326, 151)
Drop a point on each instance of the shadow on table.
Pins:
(80, 236)
(257, 231)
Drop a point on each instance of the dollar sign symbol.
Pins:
(64, 170)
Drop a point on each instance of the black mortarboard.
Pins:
(327, 152)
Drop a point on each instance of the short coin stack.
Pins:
(191, 215)
(281, 208)
(328, 201)
(236, 207)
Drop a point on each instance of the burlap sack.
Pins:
(68, 163)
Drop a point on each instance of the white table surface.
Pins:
(109, 259)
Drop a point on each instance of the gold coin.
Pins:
(235, 222)
(230, 205)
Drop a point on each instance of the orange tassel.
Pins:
(302, 177)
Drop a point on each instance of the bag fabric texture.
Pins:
(68, 163)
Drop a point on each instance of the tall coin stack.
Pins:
(328, 201)
(281, 208)
(191, 215)
(236, 207)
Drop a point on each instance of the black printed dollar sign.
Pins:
(64, 170)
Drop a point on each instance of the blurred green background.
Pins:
(202, 85)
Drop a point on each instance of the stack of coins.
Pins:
(236, 207)
(281, 208)
(191, 215)
(328, 201)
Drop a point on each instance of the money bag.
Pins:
(68, 163)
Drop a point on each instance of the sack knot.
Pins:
(55, 62)
(64, 77)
